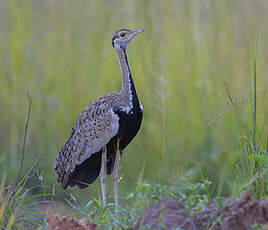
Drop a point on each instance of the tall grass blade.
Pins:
(255, 104)
(24, 139)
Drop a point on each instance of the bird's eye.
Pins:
(122, 35)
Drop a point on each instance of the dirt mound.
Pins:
(238, 214)
(67, 223)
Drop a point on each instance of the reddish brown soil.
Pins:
(238, 214)
(67, 223)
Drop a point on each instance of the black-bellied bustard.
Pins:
(102, 131)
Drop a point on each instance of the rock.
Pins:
(67, 223)
(165, 214)
(235, 214)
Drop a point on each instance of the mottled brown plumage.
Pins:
(92, 130)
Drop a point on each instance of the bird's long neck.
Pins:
(127, 82)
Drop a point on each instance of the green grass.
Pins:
(251, 164)
(19, 205)
(203, 90)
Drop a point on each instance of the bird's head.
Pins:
(122, 37)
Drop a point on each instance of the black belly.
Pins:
(87, 172)
(129, 125)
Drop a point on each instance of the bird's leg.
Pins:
(115, 175)
(103, 174)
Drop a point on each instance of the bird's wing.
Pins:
(93, 129)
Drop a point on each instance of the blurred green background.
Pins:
(192, 56)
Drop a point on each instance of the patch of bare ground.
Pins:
(231, 214)
(57, 222)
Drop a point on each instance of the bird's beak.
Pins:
(135, 32)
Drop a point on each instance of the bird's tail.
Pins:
(87, 172)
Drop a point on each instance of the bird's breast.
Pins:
(129, 124)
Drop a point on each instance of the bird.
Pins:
(102, 131)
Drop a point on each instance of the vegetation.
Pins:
(200, 69)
